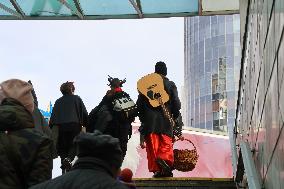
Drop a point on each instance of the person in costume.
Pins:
(114, 114)
(156, 132)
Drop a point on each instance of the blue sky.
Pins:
(52, 52)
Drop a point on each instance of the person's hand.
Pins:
(181, 138)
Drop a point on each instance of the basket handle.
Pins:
(187, 141)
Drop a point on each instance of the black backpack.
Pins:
(124, 107)
(93, 116)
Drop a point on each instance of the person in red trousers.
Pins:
(156, 132)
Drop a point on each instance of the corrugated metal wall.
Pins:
(260, 114)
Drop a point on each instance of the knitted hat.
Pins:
(161, 68)
(19, 90)
(126, 175)
(98, 145)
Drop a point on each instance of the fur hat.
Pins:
(19, 90)
(115, 82)
(161, 68)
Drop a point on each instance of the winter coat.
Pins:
(152, 119)
(108, 121)
(25, 153)
(69, 109)
(42, 126)
(105, 119)
(87, 173)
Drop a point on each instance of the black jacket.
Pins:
(25, 153)
(69, 109)
(105, 119)
(87, 173)
(152, 119)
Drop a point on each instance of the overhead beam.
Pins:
(138, 10)
(102, 17)
(18, 8)
(78, 6)
(225, 12)
(66, 4)
(11, 11)
(200, 11)
(138, 2)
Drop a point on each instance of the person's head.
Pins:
(18, 90)
(103, 147)
(115, 82)
(161, 68)
(67, 88)
(126, 175)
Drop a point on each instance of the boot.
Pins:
(163, 164)
(166, 169)
(157, 174)
(167, 174)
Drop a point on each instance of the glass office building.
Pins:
(212, 63)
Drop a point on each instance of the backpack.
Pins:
(124, 107)
(93, 116)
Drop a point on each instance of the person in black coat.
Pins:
(25, 153)
(106, 119)
(40, 122)
(97, 167)
(156, 130)
(69, 114)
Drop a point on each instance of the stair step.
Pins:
(191, 183)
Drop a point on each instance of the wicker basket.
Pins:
(185, 160)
